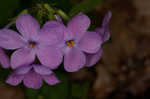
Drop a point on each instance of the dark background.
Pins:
(124, 70)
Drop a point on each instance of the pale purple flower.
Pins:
(78, 40)
(4, 60)
(32, 76)
(33, 42)
(104, 33)
(92, 59)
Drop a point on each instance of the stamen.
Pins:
(32, 44)
(70, 43)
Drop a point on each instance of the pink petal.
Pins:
(4, 60)
(78, 25)
(104, 33)
(42, 70)
(14, 79)
(107, 19)
(22, 57)
(51, 79)
(92, 59)
(23, 70)
(104, 30)
(74, 60)
(50, 56)
(27, 26)
(10, 39)
(99, 31)
(51, 33)
(33, 80)
(90, 42)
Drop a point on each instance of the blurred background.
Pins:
(124, 70)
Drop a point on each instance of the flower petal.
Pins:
(51, 33)
(22, 57)
(107, 19)
(51, 79)
(23, 70)
(10, 39)
(14, 79)
(104, 33)
(74, 60)
(90, 42)
(42, 70)
(50, 56)
(104, 30)
(92, 59)
(33, 80)
(4, 60)
(27, 26)
(78, 25)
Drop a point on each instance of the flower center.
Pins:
(70, 43)
(32, 44)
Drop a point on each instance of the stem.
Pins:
(53, 12)
(69, 90)
(85, 91)
(40, 13)
(49, 8)
(9, 25)
(63, 15)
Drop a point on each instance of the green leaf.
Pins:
(85, 6)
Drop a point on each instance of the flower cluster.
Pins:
(52, 44)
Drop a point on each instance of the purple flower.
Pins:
(104, 30)
(92, 59)
(104, 33)
(4, 60)
(77, 40)
(33, 42)
(32, 76)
